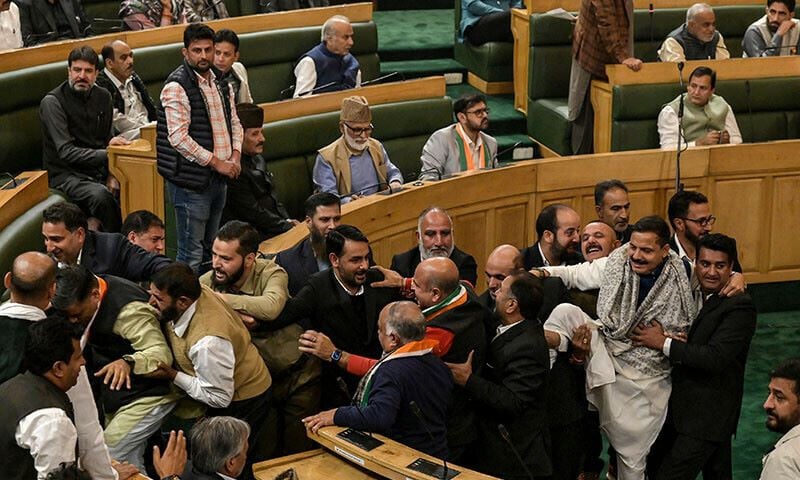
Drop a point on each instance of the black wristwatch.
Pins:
(336, 355)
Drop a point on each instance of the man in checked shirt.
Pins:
(199, 145)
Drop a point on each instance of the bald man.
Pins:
(505, 260)
(31, 283)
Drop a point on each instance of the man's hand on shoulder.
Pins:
(633, 63)
(735, 286)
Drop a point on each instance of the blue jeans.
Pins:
(197, 217)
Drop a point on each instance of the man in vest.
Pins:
(697, 39)
(355, 164)
(199, 145)
(329, 67)
(133, 107)
(707, 118)
(217, 365)
(775, 33)
(226, 59)
(37, 430)
(76, 129)
(463, 145)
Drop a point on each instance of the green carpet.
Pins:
(423, 68)
(504, 118)
(414, 34)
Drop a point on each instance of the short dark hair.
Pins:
(719, 243)
(790, 4)
(321, 199)
(467, 101)
(74, 283)
(68, 471)
(528, 291)
(195, 32)
(178, 280)
(790, 370)
(548, 219)
(107, 52)
(227, 35)
(705, 71)
(67, 213)
(653, 224)
(603, 187)
(49, 341)
(679, 204)
(140, 222)
(85, 53)
(335, 239)
(245, 233)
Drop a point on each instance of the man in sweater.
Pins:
(329, 67)
(76, 129)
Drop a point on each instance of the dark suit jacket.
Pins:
(673, 244)
(512, 390)
(532, 258)
(116, 96)
(113, 254)
(405, 263)
(299, 263)
(708, 370)
(37, 20)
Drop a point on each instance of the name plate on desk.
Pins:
(433, 469)
(360, 439)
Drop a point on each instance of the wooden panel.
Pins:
(430, 87)
(14, 201)
(738, 205)
(134, 165)
(644, 203)
(58, 51)
(312, 465)
(538, 6)
(509, 225)
(490, 88)
(785, 218)
(520, 27)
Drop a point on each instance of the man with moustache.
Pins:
(355, 164)
(504, 261)
(76, 129)
(226, 59)
(707, 120)
(144, 229)
(133, 107)
(707, 374)
(329, 66)
(251, 197)
(462, 146)
(783, 416)
(323, 214)
(697, 39)
(558, 229)
(613, 207)
(199, 145)
(775, 34)
(256, 289)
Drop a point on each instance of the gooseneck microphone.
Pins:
(418, 413)
(507, 438)
(678, 184)
(505, 150)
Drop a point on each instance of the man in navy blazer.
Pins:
(707, 374)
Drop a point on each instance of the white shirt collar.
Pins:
(225, 477)
(358, 293)
(541, 253)
(681, 251)
(182, 324)
(116, 81)
(23, 311)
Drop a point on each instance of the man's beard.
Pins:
(351, 142)
(693, 239)
(425, 253)
(560, 251)
(773, 27)
(83, 90)
(169, 314)
(229, 279)
(199, 69)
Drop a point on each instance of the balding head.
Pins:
(504, 260)
(598, 240)
(400, 323)
(32, 279)
(434, 280)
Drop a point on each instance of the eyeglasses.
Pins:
(704, 221)
(479, 113)
(358, 131)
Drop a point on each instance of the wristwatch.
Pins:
(336, 355)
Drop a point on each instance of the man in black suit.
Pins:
(68, 239)
(708, 372)
(613, 207)
(511, 392)
(323, 214)
(558, 230)
(341, 304)
(505, 260)
(435, 239)
(45, 21)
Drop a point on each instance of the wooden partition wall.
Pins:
(58, 51)
(753, 190)
(667, 72)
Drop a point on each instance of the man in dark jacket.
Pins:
(251, 197)
(511, 392)
(559, 238)
(44, 21)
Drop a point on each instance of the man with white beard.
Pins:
(355, 164)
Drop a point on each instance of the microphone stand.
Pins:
(678, 184)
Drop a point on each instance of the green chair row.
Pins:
(492, 62)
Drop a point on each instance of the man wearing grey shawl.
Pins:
(642, 281)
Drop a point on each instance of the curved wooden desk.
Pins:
(753, 190)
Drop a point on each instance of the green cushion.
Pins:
(493, 61)
(548, 124)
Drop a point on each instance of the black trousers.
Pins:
(495, 27)
(676, 456)
(94, 199)
(567, 444)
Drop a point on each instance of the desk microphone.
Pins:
(316, 89)
(779, 48)
(11, 177)
(418, 413)
(343, 387)
(380, 79)
(678, 184)
(749, 106)
(210, 7)
(650, 12)
(504, 151)
(504, 433)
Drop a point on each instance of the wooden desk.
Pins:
(58, 51)
(753, 191)
(666, 72)
(312, 465)
(31, 189)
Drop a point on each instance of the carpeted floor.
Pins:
(415, 34)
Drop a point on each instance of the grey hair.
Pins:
(408, 326)
(695, 9)
(432, 208)
(216, 440)
(327, 27)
